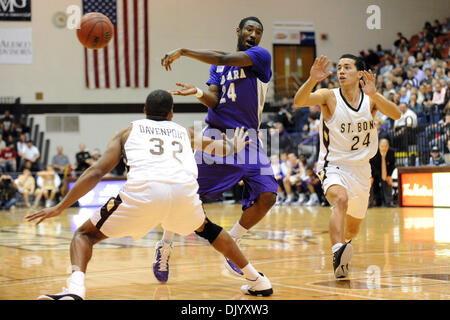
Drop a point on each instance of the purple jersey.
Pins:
(243, 92)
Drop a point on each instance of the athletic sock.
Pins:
(76, 284)
(238, 231)
(250, 272)
(336, 247)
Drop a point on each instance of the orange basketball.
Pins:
(96, 30)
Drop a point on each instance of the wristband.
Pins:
(199, 93)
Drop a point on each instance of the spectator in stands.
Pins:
(389, 89)
(60, 161)
(404, 95)
(436, 158)
(447, 152)
(22, 127)
(419, 61)
(26, 186)
(382, 164)
(382, 130)
(414, 105)
(428, 61)
(2, 144)
(8, 190)
(8, 159)
(95, 156)
(32, 154)
(6, 120)
(308, 145)
(314, 187)
(294, 179)
(285, 115)
(437, 103)
(279, 176)
(48, 183)
(421, 94)
(407, 119)
(83, 159)
(20, 148)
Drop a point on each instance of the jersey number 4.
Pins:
(366, 141)
(158, 148)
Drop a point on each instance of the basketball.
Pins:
(96, 30)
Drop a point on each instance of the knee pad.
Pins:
(210, 231)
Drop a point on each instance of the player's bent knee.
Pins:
(210, 231)
(90, 231)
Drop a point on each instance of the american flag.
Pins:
(125, 61)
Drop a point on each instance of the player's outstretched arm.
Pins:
(208, 98)
(378, 101)
(214, 57)
(304, 96)
(88, 179)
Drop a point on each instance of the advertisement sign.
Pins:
(15, 10)
(425, 189)
(293, 32)
(16, 46)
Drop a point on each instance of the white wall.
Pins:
(58, 66)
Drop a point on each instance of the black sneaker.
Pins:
(341, 258)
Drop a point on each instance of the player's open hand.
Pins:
(318, 70)
(185, 90)
(238, 141)
(169, 58)
(44, 214)
(368, 85)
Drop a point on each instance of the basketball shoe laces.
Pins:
(164, 254)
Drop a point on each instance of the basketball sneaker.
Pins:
(259, 287)
(161, 263)
(74, 292)
(341, 258)
(231, 266)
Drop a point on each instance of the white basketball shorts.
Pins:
(355, 179)
(140, 207)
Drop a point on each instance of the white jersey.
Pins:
(159, 151)
(350, 136)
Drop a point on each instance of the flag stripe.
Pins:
(146, 43)
(116, 55)
(86, 67)
(120, 64)
(125, 30)
(97, 82)
(136, 44)
(106, 62)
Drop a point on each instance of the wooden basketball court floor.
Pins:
(400, 253)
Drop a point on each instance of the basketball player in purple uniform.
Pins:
(237, 87)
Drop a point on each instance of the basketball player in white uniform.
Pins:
(161, 188)
(348, 139)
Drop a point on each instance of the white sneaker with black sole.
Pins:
(64, 295)
(259, 287)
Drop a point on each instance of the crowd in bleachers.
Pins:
(415, 75)
(24, 179)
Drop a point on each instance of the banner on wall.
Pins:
(15, 10)
(293, 32)
(16, 46)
